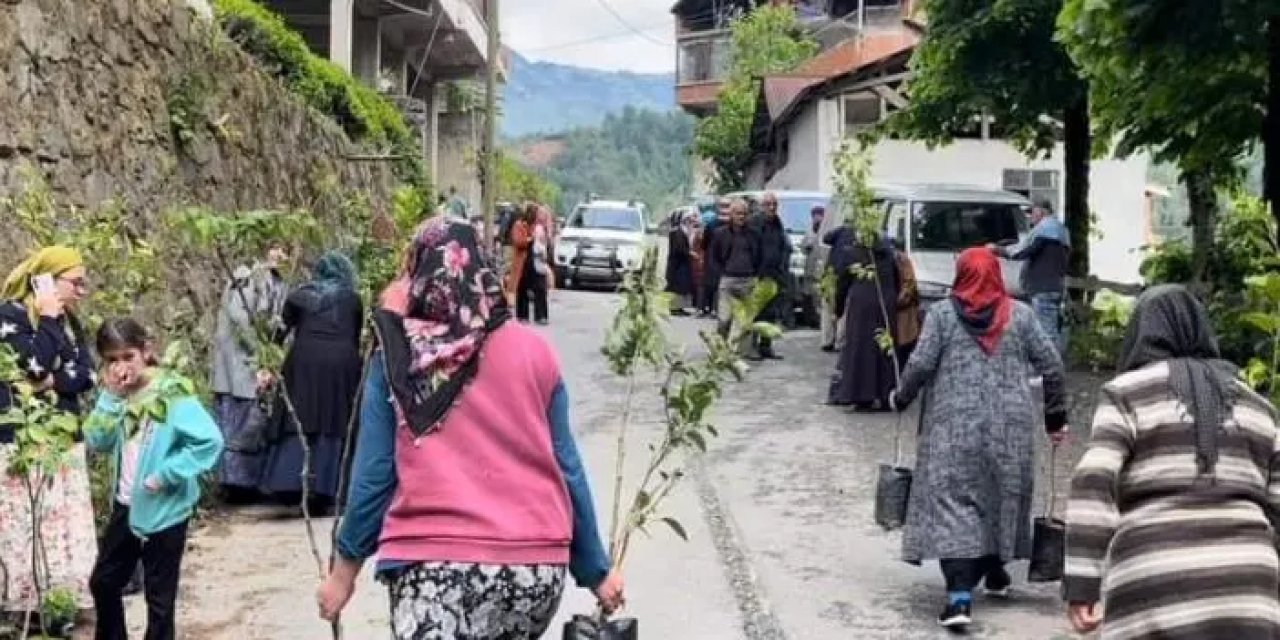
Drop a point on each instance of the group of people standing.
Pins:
(715, 261)
(441, 421)
(156, 460)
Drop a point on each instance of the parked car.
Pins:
(795, 208)
(601, 241)
(935, 222)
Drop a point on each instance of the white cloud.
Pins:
(584, 33)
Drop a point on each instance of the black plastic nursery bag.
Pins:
(893, 489)
(1048, 550)
(593, 628)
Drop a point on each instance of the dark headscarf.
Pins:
(980, 299)
(434, 321)
(1170, 325)
(334, 271)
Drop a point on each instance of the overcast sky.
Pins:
(584, 33)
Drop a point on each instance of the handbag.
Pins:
(1048, 537)
(893, 486)
(597, 628)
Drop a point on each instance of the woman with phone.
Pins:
(38, 323)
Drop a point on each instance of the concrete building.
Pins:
(802, 120)
(426, 55)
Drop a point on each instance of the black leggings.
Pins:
(532, 288)
(964, 574)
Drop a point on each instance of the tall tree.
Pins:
(767, 40)
(999, 59)
(1186, 80)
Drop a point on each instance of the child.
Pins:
(157, 463)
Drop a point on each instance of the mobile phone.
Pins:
(42, 284)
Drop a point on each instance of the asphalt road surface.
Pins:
(782, 543)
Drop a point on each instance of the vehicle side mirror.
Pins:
(651, 229)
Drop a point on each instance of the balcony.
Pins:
(702, 62)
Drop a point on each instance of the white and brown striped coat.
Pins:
(1171, 555)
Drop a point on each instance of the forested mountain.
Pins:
(637, 153)
(543, 97)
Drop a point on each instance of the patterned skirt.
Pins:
(468, 601)
(69, 539)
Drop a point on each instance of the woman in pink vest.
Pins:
(466, 480)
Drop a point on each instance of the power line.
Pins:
(623, 21)
(599, 38)
(608, 36)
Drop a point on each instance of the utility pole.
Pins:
(489, 166)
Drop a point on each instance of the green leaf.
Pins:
(677, 528)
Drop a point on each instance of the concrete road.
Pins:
(782, 544)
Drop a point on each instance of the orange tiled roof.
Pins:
(856, 53)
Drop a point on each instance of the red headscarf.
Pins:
(980, 298)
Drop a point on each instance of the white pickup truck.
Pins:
(600, 242)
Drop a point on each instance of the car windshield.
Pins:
(613, 219)
(955, 226)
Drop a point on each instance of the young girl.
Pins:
(156, 475)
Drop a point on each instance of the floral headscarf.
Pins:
(435, 319)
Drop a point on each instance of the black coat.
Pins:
(679, 263)
(775, 248)
(50, 348)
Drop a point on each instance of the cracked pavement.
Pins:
(782, 543)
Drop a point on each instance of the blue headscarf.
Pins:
(333, 272)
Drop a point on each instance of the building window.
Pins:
(1034, 184)
(861, 113)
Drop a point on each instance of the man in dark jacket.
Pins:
(709, 300)
(775, 265)
(736, 251)
(1045, 251)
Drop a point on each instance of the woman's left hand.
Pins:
(1084, 616)
(153, 484)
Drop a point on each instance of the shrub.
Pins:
(1096, 340)
(362, 112)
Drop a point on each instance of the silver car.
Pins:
(935, 222)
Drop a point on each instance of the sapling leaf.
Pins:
(676, 527)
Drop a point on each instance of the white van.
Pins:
(935, 222)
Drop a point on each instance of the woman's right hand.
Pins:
(49, 305)
(1084, 616)
(610, 592)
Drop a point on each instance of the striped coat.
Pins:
(1168, 555)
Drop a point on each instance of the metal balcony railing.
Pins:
(703, 57)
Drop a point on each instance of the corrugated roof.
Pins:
(781, 91)
(855, 53)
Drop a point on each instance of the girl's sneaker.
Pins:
(956, 616)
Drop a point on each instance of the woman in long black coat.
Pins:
(680, 282)
(321, 376)
(865, 371)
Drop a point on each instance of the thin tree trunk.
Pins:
(1271, 134)
(1076, 150)
(1203, 220)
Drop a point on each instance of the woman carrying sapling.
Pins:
(157, 464)
(467, 482)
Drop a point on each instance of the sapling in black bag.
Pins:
(893, 486)
(597, 628)
(1048, 537)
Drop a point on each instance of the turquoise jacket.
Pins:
(182, 447)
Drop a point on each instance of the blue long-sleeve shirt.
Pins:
(373, 482)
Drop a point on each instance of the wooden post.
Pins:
(489, 165)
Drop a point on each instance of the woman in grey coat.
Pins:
(257, 292)
(970, 503)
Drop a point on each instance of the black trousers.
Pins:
(964, 574)
(533, 288)
(118, 555)
(710, 300)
